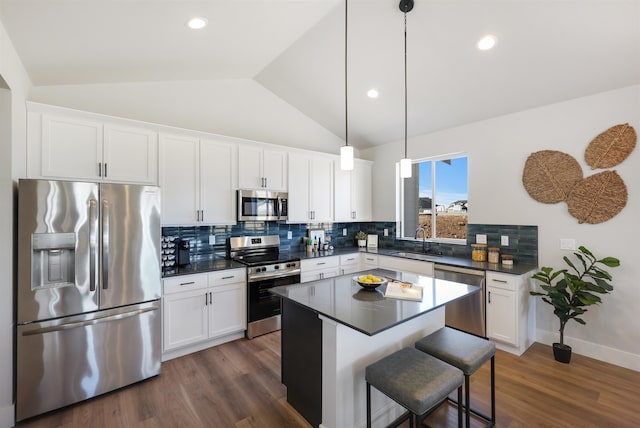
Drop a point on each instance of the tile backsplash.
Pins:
(523, 240)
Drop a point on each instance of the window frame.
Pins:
(400, 205)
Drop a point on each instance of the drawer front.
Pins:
(228, 276)
(184, 283)
(370, 259)
(349, 259)
(320, 263)
(500, 280)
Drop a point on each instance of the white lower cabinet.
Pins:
(319, 268)
(369, 261)
(510, 311)
(202, 310)
(350, 263)
(406, 265)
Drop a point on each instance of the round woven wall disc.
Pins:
(611, 147)
(598, 197)
(549, 176)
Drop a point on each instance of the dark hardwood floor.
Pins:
(238, 385)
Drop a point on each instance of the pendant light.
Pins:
(346, 151)
(405, 163)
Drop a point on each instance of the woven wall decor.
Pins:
(611, 147)
(550, 175)
(598, 197)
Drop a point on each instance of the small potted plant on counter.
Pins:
(570, 291)
(362, 239)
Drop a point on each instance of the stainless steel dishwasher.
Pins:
(466, 314)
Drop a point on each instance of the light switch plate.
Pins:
(344, 232)
(481, 239)
(386, 232)
(504, 240)
(568, 244)
(289, 235)
(212, 239)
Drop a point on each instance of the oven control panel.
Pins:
(283, 267)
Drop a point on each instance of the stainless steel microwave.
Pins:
(262, 205)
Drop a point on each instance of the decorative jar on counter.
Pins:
(493, 255)
(479, 252)
(507, 260)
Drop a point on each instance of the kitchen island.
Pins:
(332, 329)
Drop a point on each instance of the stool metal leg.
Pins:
(467, 413)
(368, 405)
(459, 407)
(493, 390)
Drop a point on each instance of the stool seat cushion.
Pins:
(413, 379)
(462, 350)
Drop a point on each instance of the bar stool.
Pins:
(416, 381)
(466, 352)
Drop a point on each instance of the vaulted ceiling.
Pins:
(548, 51)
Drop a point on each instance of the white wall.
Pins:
(235, 107)
(498, 149)
(13, 92)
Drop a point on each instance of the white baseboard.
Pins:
(593, 350)
(7, 416)
(180, 352)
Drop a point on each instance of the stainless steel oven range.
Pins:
(267, 267)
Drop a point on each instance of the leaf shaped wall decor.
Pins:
(598, 197)
(611, 147)
(550, 175)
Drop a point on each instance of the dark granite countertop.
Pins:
(202, 266)
(343, 300)
(220, 263)
(515, 269)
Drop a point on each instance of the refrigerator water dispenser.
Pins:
(53, 260)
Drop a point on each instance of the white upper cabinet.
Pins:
(352, 194)
(310, 188)
(73, 145)
(198, 181)
(262, 167)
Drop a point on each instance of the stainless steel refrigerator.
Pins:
(88, 308)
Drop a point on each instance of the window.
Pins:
(434, 199)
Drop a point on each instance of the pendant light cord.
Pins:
(346, 118)
(405, 85)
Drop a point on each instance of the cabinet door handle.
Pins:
(489, 296)
(499, 280)
(201, 215)
(187, 283)
(99, 169)
(206, 299)
(210, 298)
(320, 264)
(228, 277)
(105, 169)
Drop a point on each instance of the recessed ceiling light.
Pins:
(196, 23)
(487, 42)
(372, 93)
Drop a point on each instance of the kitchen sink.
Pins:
(416, 256)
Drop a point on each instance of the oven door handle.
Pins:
(273, 276)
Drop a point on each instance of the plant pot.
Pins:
(362, 243)
(562, 353)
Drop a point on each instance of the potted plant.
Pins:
(571, 290)
(362, 239)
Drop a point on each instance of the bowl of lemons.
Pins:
(369, 281)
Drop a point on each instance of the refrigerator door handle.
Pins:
(105, 244)
(93, 216)
(78, 324)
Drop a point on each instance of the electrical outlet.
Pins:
(504, 240)
(568, 244)
(289, 235)
(386, 232)
(481, 239)
(212, 239)
(344, 232)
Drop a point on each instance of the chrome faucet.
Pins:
(424, 237)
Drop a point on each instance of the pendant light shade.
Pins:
(346, 158)
(405, 163)
(346, 151)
